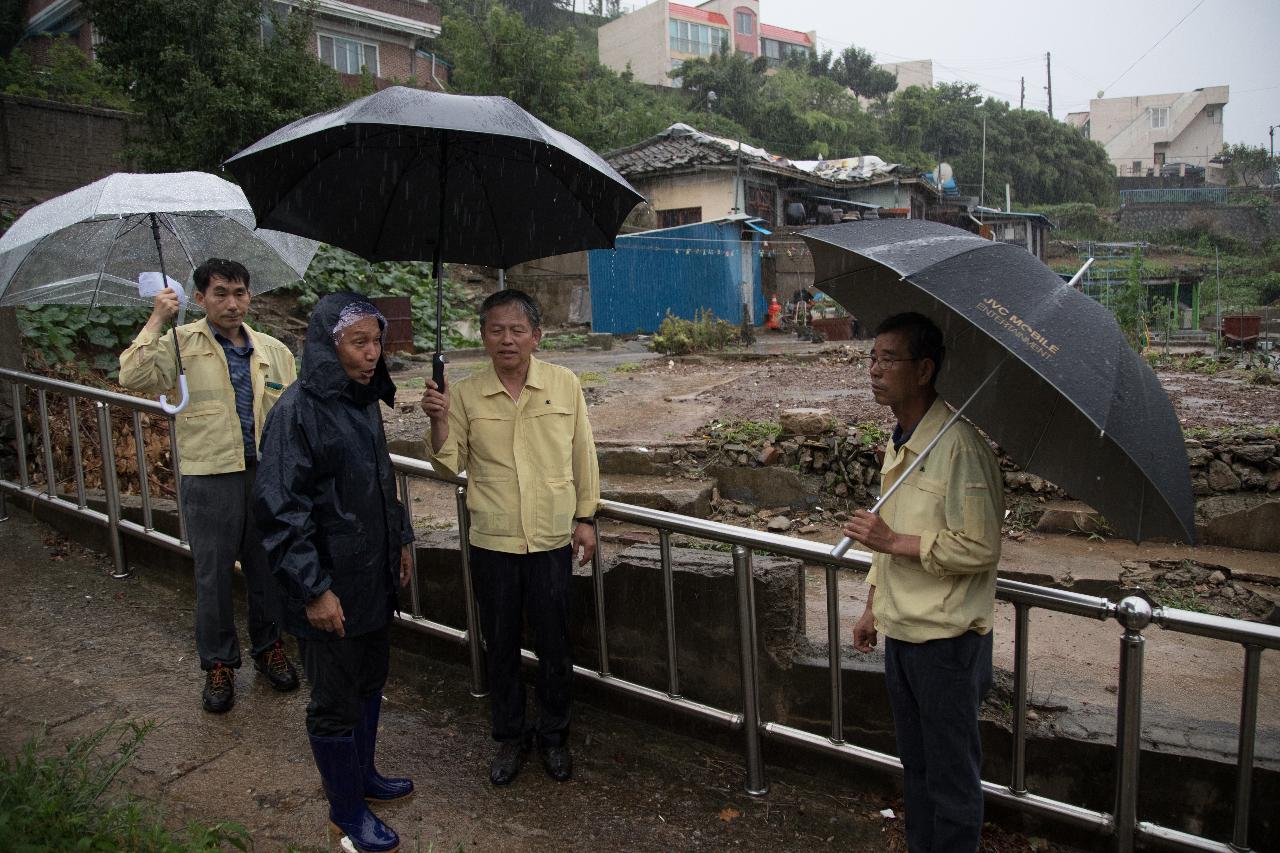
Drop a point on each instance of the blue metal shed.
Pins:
(690, 268)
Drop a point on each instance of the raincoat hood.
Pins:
(322, 373)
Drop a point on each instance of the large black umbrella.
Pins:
(1057, 385)
(407, 174)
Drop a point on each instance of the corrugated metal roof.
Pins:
(689, 13)
(784, 34)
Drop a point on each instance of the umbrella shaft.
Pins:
(164, 282)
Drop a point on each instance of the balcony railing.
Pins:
(1135, 614)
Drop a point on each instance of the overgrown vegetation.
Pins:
(335, 270)
(704, 333)
(66, 75)
(743, 432)
(562, 341)
(54, 800)
(62, 334)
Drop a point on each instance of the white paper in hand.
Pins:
(149, 284)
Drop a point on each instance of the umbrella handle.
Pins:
(173, 410)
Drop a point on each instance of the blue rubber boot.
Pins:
(376, 786)
(339, 766)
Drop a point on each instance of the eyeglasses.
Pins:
(885, 362)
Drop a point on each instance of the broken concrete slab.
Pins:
(1240, 521)
(687, 497)
(768, 487)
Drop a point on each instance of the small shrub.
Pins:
(628, 367)
(705, 333)
(743, 432)
(562, 341)
(592, 377)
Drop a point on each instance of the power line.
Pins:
(1157, 44)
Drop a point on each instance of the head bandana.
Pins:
(354, 313)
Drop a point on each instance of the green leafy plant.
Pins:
(871, 434)
(704, 333)
(61, 334)
(335, 270)
(592, 377)
(628, 367)
(562, 341)
(52, 800)
(67, 76)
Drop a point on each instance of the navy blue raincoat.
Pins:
(325, 492)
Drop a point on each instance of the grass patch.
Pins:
(743, 432)
(562, 341)
(413, 382)
(628, 367)
(871, 435)
(51, 800)
(591, 377)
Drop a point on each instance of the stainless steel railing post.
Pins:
(475, 651)
(20, 435)
(597, 586)
(833, 654)
(406, 501)
(177, 479)
(1244, 758)
(1134, 614)
(1021, 628)
(110, 490)
(144, 485)
(50, 476)
(73, 417)
(669, 606)
(757, 783)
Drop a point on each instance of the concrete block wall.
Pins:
(1244, 222)
(48, 148)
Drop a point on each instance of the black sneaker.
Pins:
(274, 664)
(506, 764)
(557, 761)
(219, 689)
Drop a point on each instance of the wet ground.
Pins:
(79, 650)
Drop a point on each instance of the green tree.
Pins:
(67, 76)
(206, 79)
(857, 69)
(1248, 165)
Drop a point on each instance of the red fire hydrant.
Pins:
(775, 311)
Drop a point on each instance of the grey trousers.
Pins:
(218, 509)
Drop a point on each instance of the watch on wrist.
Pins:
(585, 520)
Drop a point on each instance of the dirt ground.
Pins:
(639, 398)
(79, 650)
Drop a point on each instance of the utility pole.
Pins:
(1022, 96)
(982, 187)
(1048, 73)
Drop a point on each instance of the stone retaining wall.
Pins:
(1246, 222)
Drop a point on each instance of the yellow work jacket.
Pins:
(209, 436)
(953, 501)
(530, 462)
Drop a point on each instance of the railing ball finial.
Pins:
(1134, 613)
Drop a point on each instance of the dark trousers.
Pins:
(510, 588)
(344, 674)
(935, 689)
(218, 509)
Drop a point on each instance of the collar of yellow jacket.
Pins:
(925, 432)
(202, 327)
(491, 383)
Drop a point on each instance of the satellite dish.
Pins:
(944, 172)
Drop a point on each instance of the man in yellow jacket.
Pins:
(234, 376)
(519, 428)
(932, 585)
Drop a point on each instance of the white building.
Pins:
(1145, 132)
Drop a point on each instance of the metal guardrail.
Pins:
(1176, 195)
(1133, 613)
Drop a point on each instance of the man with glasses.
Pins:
(931, 588)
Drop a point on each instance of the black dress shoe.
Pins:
(219, 689)
(557, 761)
(506, 764)
(274, 664)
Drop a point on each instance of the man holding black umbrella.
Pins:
(931, 588)
(235, 375)
(520, 430)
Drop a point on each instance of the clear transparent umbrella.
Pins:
(88, 246)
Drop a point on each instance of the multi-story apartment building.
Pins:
(1143, 133)
(391, 38)
(654, 39)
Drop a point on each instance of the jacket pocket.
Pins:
(557, 500)
(491, 503)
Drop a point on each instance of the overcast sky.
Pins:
(1092, 42)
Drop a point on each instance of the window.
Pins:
(1159, 117)
(1159, 158)
(778, 52)
(679, 216)
(698, 39)
(744, 23)
(348, 56)
(1213, 114)
(1137, 168)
